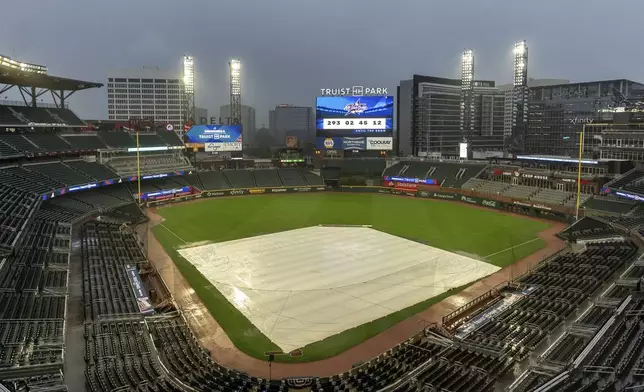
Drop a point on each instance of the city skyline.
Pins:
(274, 70)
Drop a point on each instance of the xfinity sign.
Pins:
(354, 91)
(581, 120)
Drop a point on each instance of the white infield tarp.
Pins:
(301, 286)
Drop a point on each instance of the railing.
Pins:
(39, 104)
(451, 320)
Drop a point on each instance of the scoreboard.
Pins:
(362, 124)
(348, 117)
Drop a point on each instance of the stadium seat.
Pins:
(153, 163)
(117, 139)
(267, 178)
(85, 142)
(239, 178)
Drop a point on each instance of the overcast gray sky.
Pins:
(292, 48)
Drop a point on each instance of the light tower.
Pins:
(188, 91)
(467, 94)
(235, 90)
(519, 97)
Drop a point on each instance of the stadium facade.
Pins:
(148, 92)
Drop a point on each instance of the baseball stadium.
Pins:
(130, 261)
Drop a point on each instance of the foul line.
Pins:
(173, 233)
(512, 247)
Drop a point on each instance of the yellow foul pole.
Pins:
(581, 150)
(138, 166)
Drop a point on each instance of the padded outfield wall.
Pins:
(541, 211)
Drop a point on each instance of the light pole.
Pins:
(581, 150)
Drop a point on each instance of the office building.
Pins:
(427, 115)
(486, 134)
(508, 90)
(557, 114)
(145, 93)
(247, 120)
(290, 120)
(201, 116)
(431, 121)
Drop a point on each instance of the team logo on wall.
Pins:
(328, 143)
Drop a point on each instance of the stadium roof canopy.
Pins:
(17, 77)
(33, 85)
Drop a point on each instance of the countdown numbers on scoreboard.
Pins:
(354, 123)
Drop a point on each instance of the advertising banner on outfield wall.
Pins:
(538, 210)
(239, 192)
(438, 195)
(429, 195)
(409, 186)
(261, 191)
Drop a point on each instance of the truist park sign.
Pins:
(355, 91)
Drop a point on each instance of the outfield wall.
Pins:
(238, 192)
(524, 208)
(467, 197)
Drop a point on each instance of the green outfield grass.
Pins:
(498, 238)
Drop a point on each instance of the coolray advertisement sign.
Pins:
(380, 143)
(354, 115)
(216, 137)
(140, 293)
(341, 143)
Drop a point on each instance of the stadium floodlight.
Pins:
(520, 63)
(235, 90)
(519, 97)
(22, 66)
(188, 91)
(467, 93)
(189, 74)
(235, 64)
(467, 66)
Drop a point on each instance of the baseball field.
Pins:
(485, 235)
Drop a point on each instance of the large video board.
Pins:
(216, 138)
(355, 116)
(355, 122)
